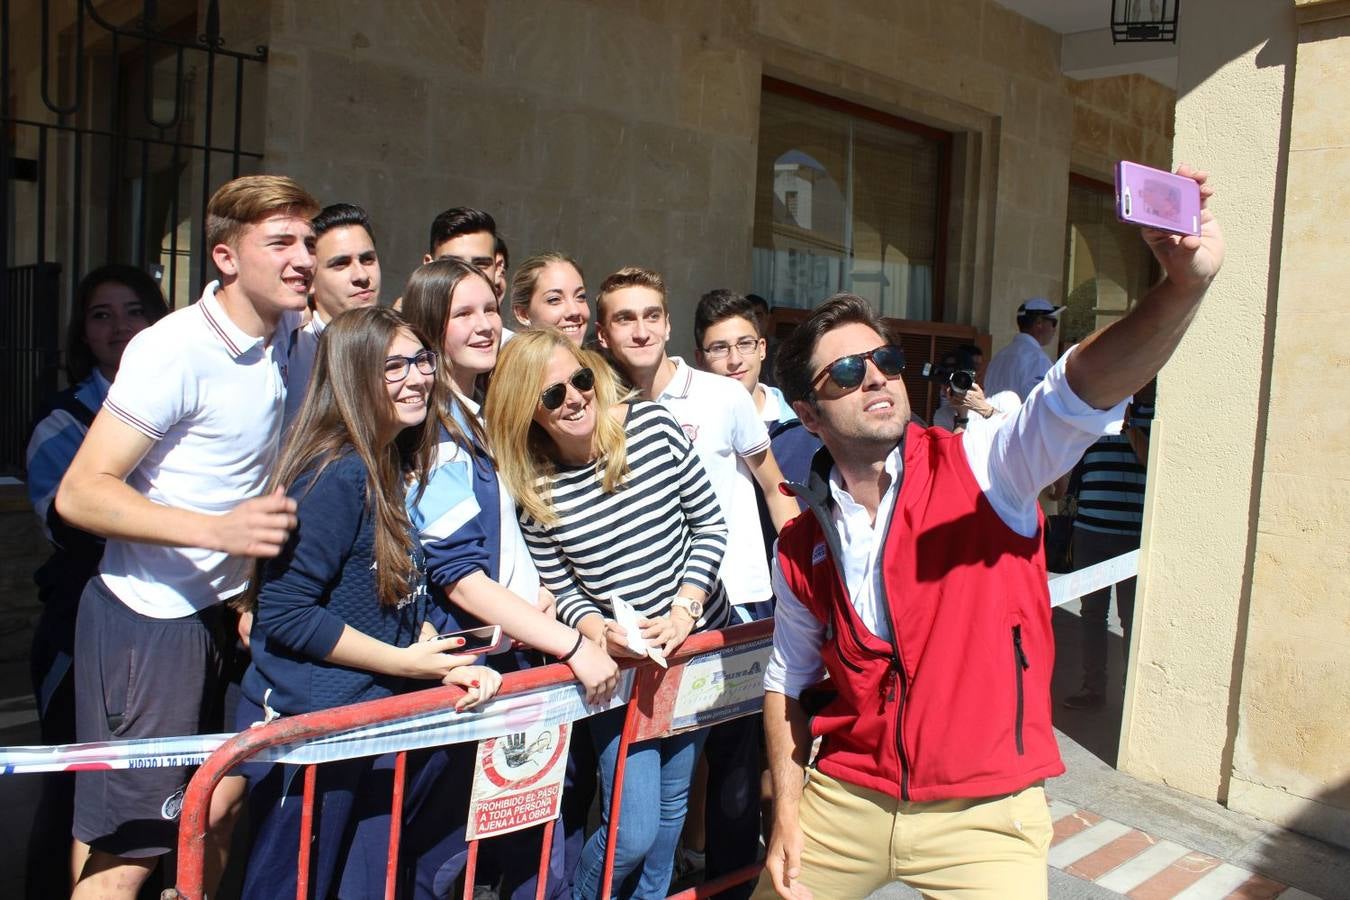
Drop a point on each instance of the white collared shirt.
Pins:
(1012, 459)
(719, 416)
(1018, 367)
(211, 398)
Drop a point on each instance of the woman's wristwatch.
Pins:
(693, 607)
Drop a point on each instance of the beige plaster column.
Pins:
(1181, 703)
(1291, 763)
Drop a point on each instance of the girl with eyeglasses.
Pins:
(342, 613)
(615, 504)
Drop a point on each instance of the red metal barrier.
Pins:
(648, 715)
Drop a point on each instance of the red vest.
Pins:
(958, 705)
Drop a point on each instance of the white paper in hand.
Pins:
(627, 618)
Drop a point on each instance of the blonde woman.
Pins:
(550, 289)
(615, 503)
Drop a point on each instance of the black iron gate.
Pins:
(113, 134)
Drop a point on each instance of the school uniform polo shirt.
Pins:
(302, 350)
(211, 398)
(719, 416)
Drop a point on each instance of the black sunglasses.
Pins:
(552, 397)
(847, 372)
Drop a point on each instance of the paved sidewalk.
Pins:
(1118, 837)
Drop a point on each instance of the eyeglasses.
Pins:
(552, 397)
(396, 368)
(744, 347)
(847, 372)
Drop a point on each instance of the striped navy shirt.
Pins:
(662, 528)
(1111, 490)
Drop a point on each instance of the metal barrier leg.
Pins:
(630, 724)
(545, 854)
(306, 835)
(471, 870)
(395, 824)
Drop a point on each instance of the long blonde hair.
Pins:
(524, 452)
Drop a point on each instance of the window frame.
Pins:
(943, 139)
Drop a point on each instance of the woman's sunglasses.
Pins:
(552, 397)
(847, 372)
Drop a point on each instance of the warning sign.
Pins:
(518, 780)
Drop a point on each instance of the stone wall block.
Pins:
(586, 153)
(545, 46)
(1319, 118)
(1112, 94)
(957, 23)
(719, 90)
(676, 167)
(1021, 107)
(631, 68)
(285, 103)
(1055, 119)
(1091, 128)
(1041, 57)
(488, 133)
(797, 22)
(432, 33)
(1002, 43)
(376, 112)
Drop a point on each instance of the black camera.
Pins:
(959, 380)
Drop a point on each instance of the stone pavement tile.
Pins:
(1124, 848)
(1174, 879)
(1319, 868)
(1158, 810)
(1222, 882)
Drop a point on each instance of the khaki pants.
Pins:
(857, 840)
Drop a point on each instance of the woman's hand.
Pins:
(616, 641)
(432, 659)
(598, 674)
(479, 682)
(548, 604)
(667, 633)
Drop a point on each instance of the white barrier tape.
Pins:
(1072, 585)
(504, 715)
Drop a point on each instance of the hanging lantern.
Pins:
(1144, 20)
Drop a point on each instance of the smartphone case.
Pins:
(1157, 199)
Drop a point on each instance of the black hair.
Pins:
(758, 302)
(499, 247)
(341, 215)
(719, 305)
(792, 365)
(459, 221)
(79, 358)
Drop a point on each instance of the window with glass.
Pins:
(1107, 265)
(848, 199)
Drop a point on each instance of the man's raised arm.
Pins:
(1118, 360)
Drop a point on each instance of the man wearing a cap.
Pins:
(1021, 365)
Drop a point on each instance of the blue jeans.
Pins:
(655, 799)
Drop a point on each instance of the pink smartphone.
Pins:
(1157, 199)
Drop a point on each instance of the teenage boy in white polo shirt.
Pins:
(190, 427)
(717, 415)
(731, 439)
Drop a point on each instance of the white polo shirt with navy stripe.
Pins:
(719, 416)
(211, 397)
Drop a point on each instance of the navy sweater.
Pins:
(324, 579)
